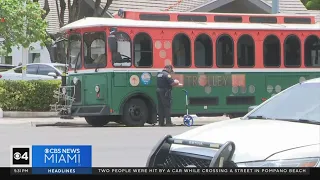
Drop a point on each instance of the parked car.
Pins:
(283, 131)
(35, 71)
(5, 67)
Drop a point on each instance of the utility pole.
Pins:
(275, 6)
(25, 51)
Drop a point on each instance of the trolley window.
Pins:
(292, 20)
(122, 58)
(235, 19)
(192, 18)
(155, 17)
(181, 51)
(143, 56)
(271, 20)
(225, 51)
(95, 54)
(74, 52)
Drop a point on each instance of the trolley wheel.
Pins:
(188, 120)
(114, 118)
(97, 121)
(135, 113)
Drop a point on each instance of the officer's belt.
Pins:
(164, 89)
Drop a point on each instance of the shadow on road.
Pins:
(77, 125)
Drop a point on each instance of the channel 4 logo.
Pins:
(56, 156)
(21, 156)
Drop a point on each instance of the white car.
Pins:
(283, 131)
(35, 71)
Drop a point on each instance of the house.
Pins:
(41, 54)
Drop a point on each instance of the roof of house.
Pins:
(289, 6)
(52, 17)
(285, 6)
(314, 13)
(156, 5)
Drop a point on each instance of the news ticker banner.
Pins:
(77, 159)
(53, 159)
(161, 171)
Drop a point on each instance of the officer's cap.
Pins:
(169, 67)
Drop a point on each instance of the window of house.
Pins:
(312, 51)
(143, 56)
(271, 51)
(246, 55)
(225, 51)
(292, 51)
(203, 52)
(122, 58)
(181, 51)
(75, 51)
(34, 58)
(96, 56)
(6, 60)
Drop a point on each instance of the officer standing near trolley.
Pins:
(164, 87)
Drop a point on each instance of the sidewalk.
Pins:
(81, 121)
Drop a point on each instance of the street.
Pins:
(112, 146)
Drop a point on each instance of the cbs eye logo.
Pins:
(20, 156)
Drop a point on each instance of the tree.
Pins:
(311, 4)
(21, 24)
(74, 9)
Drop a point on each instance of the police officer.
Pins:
(164, 87)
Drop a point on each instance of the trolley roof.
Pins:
(91, 22)
(279, 18)
(211, 13)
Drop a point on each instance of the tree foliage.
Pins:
(311, 4)
(21, 24)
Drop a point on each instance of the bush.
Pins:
(27, 95)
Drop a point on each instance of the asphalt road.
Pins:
(111, 146)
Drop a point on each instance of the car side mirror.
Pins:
(53, 74)
(113, 43)
(53, 53)
(251, 108)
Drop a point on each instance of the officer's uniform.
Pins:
(164, 81)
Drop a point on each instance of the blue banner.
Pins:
(61, 157)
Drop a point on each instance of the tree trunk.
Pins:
(46, 8)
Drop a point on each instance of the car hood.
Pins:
(254, 139)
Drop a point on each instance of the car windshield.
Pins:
(299, 103)
(14, 70)
(60, 68)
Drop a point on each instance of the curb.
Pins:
(22, 114)
(50, 114)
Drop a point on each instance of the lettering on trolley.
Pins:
(230, 80)
(208, 80)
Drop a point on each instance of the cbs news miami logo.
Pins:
(51, 156)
